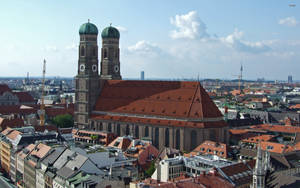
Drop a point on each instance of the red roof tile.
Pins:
(257, 139)
(24, 97)
(16, 122)
(277, 128)
(211, 147)
(159, 98)
(4, 88)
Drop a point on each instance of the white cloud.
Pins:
(145, 48)
(72, 47)
(235, 41)
(50, 48)
(188, 26)
(288, 21)
(122, 29)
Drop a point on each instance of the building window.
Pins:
(137, 131)
(146, 131)
(118, 130)
(94, 51)
(105, 53)
(109, 127)
(177, 139)
(82, 51)
(127, 132)
(167, 137)
(156, 137)
(193, 139)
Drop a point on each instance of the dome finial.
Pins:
(110, 24)
(88, 20)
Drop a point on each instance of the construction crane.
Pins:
(240, 77)
(41, 112)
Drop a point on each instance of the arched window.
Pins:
(127, 132)
(82, 51)
(167, 144)
(146, 131)
(109, 127)
(177, 139)
(118, 130)
(193, 139)
(156, 137)
(136, 131)
(105, 53)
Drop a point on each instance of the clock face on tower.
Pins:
(116, 68)
(82, 67)
(94, 68)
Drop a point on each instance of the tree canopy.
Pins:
(64, 121)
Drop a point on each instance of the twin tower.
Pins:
(88, 80)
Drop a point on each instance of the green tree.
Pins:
(150, 170)
(63, 121)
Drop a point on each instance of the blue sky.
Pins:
(166, 39)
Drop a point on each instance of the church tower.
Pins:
(259, 172)
(110, 54)
(87, 79)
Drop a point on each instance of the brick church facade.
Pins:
(174, 114)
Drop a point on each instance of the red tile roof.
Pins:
(276, 147)
(121, 142)
(158, 98)
(277, 128)
(24, 97)
(211, 147)
(54, 111)
(296, 106)
(257, 139)
(4, 88)
(16, 122)
(15, 109)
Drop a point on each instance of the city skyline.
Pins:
(169, 39)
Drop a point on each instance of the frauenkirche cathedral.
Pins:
(176, 114)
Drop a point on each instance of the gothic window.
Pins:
(167, 137)
(116, 53)
(212, 135)
(109, 127)
(156, 137)
(177, 139)
(105, 53)
(101, 126)
(127, 130)
(146, 131)
(82, 51)
(94, 51)
(118, 130)
(136, 131)
(193, 139)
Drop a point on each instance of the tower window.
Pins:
(105, 53)
(82, 51)
(94, 51)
